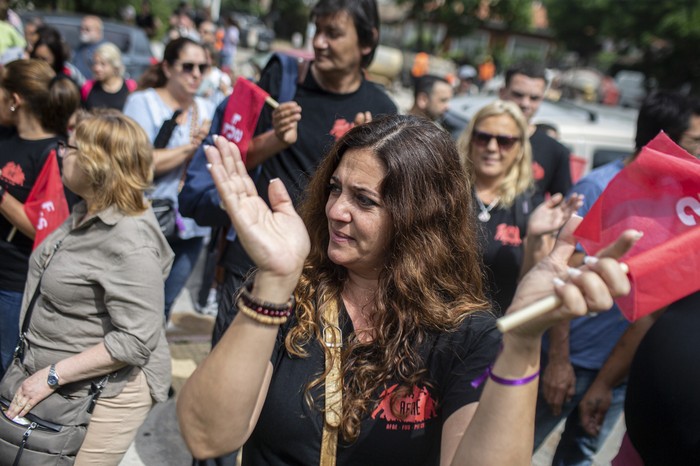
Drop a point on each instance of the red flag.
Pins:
(46, 205)
(241, 114)
(659, 195)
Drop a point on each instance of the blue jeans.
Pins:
(186, 253)
(576, 447)
(10, 307)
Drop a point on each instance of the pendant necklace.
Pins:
(484, 215)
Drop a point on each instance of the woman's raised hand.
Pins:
(552, 214)
(274, 237)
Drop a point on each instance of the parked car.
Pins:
(132, 41)
(254, 34)
(595, 134)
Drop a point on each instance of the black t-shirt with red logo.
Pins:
(550, 164)
(21, 161)
(288, 431)
(502, 247)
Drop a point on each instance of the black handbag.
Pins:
(164, 209)
(166, 214)
(53, 431)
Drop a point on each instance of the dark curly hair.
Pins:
(432, 277)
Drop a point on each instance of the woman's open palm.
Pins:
(274, 237)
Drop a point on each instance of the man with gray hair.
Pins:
(91, 37)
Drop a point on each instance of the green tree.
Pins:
(666, 33)
(461, 17)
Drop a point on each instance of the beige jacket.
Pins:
(104, 282)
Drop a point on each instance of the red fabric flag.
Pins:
(46, 205)
(241, 114)
(659, 195)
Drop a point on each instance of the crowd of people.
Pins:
(366, 257)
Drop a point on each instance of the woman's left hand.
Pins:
(32, 392)
(590, 288)
(552, 214)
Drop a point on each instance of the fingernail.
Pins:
(638, 234)
(590, 260)
(273, 180)
(558, 282)
(208, 166)
(215, 137)
(574, 272)
(206, 146)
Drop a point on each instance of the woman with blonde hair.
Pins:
(515, 232)
(109, 88)
(100, 277)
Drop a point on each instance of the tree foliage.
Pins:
(461, 17)
(666, 33)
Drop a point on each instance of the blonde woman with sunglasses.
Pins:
(515, 232)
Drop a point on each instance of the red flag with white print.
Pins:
(658, 194)
(242, 113)
(46, 206)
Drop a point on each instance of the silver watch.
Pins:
(53, 377)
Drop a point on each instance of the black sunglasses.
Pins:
(63, 148)
(482, 139)
(189, 67)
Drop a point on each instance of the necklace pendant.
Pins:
(484, 216)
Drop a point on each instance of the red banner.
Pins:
(241, 114)
(659, 195)
(46, 205)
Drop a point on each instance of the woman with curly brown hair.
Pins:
(392, 254)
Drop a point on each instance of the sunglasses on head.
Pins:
(189, 67)
(482, 139)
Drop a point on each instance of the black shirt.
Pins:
(550, 164)
(99, 98)
(21, 161)
(288, 431)
(502, 248)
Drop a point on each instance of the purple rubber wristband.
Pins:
(501, 381)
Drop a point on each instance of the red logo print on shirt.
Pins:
(508, 235)
(537, 171)
(411, 411)
(13, 173)
(340, 127)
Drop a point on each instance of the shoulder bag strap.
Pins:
(333, 340)
(19, 349)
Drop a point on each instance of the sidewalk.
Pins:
(158, 441)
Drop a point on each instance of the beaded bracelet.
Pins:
(261, 317)
(254, 303)
(501, 380)
(263, 311)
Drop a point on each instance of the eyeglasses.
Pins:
(63, 148)
(482, 139)
(189, 67)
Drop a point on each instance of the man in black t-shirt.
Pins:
(525, 85)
